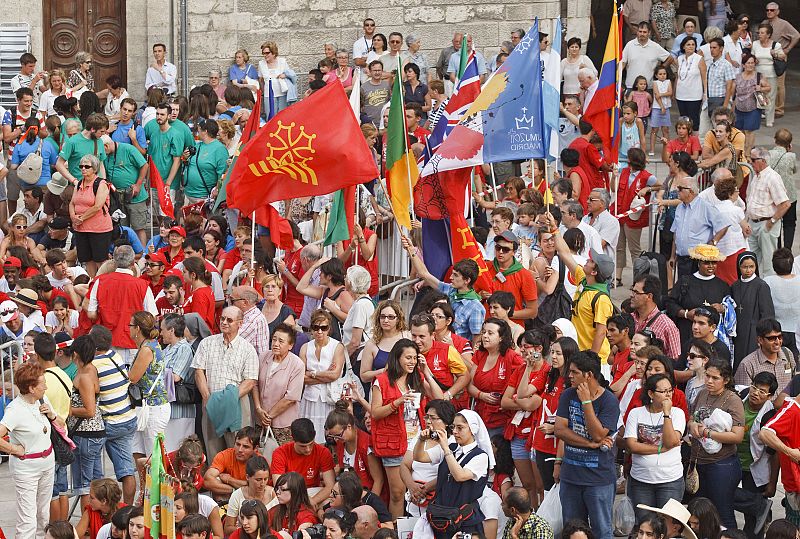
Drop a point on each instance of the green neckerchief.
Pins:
(598, 287)
(469, 294)
(511, 270)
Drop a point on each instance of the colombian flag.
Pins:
(401, 166)
(603, 110)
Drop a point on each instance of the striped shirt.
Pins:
(19, 121)
(114, 402)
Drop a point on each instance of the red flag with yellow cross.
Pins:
(314, 147)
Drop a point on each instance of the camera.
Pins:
(317, 531)
(192, 150)
(434, 435)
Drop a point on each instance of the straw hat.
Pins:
(707, 253)
(674, 509)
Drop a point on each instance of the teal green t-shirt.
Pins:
(78, 146)
(186, 133)
(163, 146)
(205, 168)
(122, 169)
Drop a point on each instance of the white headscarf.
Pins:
(481, 434)
(567, 328)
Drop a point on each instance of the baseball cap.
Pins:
(157, 257)
(509, 236)
(63, 341)
(59, 223)
(178, 230)
(174, 272)
(12, 262)
(604, 264)
(8, 311)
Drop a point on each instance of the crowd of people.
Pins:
(296, 400)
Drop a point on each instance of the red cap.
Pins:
(13, 262)
(174, 272)
(157, 257)
(179, 230)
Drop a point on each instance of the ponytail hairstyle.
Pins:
(198, 267)
(31, 128)
(346, 520)
(340, 416)
(53, 124)
(191, 451)
(84, 348)
(146, 323)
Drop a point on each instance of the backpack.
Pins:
(615, 309)
(30, 170)
(556, 305)
(112, 204)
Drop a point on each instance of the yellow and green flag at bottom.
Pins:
(152, 491)
(401, 166)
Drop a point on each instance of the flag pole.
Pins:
(405, 141)
(396, 224)
(494, 182)
(358, 205)
(253, 249)
(546, 183)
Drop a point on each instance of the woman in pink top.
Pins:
(91, 221)
(343, 70)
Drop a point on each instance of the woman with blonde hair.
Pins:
(388, 327)
(274, 69)
(58, 86)
(18, 237)
(275, 311)
(242, 73)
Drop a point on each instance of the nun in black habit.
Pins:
(753, 302)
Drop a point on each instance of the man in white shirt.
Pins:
(571, 215)
(161, 73)
(29, 78)
(641, 56)
(603, 222)
(363, 44)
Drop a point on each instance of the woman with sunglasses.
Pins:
(254, 521)
(91, 221)
(294, 510)
(745, 37)
(257, 476)
(349, 493)
(398, 395)
(280, 385)
(700, 352)
(420, 477)
(443, 317)
(324, 360)
(352, 447)
(713, 447)
(388, 327)
(696, 290)
(18, 237)
(653, 434)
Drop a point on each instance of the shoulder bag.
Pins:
(30, 170)
(134, 391)
(779, 65)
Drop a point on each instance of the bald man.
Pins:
(226, 369)
(255, 329)
(367, 524)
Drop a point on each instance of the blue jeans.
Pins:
(61, 483)
(653, 494)
(594, 504)
(718, 482)
(119, 446)
(88, 464)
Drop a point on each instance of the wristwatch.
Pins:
(772, 220)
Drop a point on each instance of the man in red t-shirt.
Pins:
(154, 271)
(590, 159)
(308, 458)
(620, 332)
(172, 298)
(508, 275)
(782, 433)
(227, 470)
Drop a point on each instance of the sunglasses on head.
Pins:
(702, 311)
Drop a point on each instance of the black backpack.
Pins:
(556, 305)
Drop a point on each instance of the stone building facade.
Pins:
(216, 28)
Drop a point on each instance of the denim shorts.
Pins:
(61, 484)
(518, 451)
(88, 464)
(391, 462)
(119, 441)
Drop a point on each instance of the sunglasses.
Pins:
(388, 317)
(637, 292)
(702, 311)
(773, 338)
(503, 249)
(683, 188)
(394, 41)
(154, 264)
(7, 312)
(692, 355)
(85, 167)
(20, 227)
(228, 319)
(317, 327)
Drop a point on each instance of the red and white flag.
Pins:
(164, 198)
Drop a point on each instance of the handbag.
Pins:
(692, 477)
(186, 392)
(268, 443)
(337, 388)
(30, 170)
(63, 446)
(779, 65)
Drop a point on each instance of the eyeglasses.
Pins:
(759, 391)
(388, 317)
(228, 319)
(234, 300)
(692, 355)
(85, 167)
(664, 391)
(430, 418)
(317, 327)
(503, 249)
(773, 338)
(439, 316)
(638, 292)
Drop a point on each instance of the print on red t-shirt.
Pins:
(311, 467)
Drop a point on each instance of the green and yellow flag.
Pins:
(152, 491)
(401, 166)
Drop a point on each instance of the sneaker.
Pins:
(770, 124)
(762, 515)
(651, 154)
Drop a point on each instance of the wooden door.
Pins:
(95, 26)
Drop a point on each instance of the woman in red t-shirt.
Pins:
(685, 142)
(294, 510)
(104, 500)
(200, 298)
(658, 365)
(494, 362)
